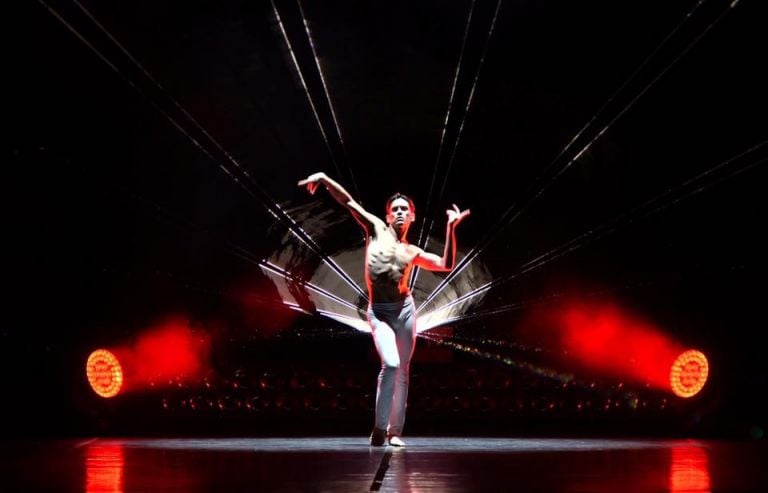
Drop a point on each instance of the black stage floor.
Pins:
(341, 464)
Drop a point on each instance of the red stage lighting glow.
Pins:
(689, 373)
(166, 353)
(614, 341)
(104, 373)
(605, 338)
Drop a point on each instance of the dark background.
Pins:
(121, 207)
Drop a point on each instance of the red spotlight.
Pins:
(164, 354)
(689, 373)
(104, 373)
(606, 338)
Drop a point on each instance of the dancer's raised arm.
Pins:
(430, 261)
(367, 220)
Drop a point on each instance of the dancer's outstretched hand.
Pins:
(312, 181)
(456, 215)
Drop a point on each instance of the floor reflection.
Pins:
(342, 464)
(104, 466)
(689, 470)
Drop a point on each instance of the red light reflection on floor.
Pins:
(104, 469)
(689, 470)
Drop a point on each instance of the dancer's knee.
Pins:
(390, 367)
(390, 359)
(389, 371)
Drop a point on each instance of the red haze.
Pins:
(264, 310)
(604, 338)
(165, 352)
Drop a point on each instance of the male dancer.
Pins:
(389, 259)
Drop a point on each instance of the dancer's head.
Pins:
(401, 211)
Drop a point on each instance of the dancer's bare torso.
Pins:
(388, 263)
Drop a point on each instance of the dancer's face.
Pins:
(400, 213)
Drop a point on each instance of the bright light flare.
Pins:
(104, 373)
(689, 373)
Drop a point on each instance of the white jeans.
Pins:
(394, 333)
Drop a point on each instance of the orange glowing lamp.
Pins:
(104, 373)
(689, 373)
